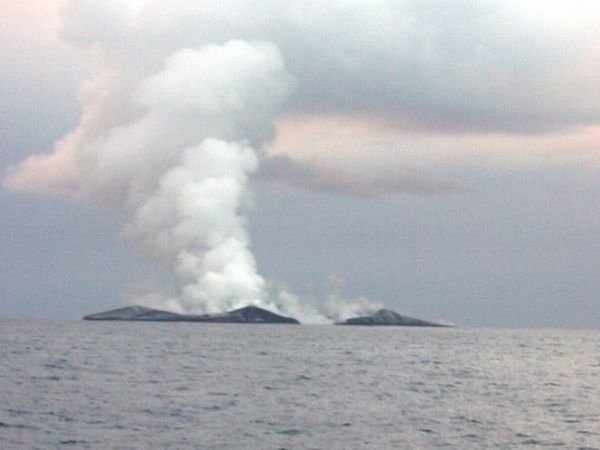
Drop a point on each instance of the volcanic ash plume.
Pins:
(179, 165)
(173, 149)
(193, 221)
(189, 212)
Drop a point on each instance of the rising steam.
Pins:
(181, 169)
(174, 148)
(189, 208)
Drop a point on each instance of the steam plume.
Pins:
(187, 209)
(177, 158)
(171, 141)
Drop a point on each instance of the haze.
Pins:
(439, 159)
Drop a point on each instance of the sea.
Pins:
(131, 385)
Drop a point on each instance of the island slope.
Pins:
(386, 317)
(247, 314)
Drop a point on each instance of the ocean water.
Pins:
(111, 385)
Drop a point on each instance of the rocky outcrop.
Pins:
(252, 314)
(247, 314)
(134, 313)
(386, 317)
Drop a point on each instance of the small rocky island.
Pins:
(247, 314)
(250, 314)
(386, 317)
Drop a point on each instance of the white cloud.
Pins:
(490, 65)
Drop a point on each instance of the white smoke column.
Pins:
(294, 306)
(174, 150)
(339, 308)
(171, 144)
(193, 218)
(179, 165)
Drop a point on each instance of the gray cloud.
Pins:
(335, 180)
(520, 251)
(467, 65)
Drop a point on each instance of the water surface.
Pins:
(119, 385)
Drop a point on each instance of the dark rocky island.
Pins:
(386, 317)
(247, 314)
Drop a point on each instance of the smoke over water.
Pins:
(188, 208)
(174, 150)
(181, 170)
(170, 134)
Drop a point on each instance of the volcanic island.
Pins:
(247, 314)
(387, 317)
(250, 315)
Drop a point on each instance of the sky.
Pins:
(439, 159)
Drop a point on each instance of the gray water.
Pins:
(106, 385)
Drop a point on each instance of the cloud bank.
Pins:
(487, 65)
(337, 180)
(187, 99)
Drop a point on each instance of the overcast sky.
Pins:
(439, 158)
